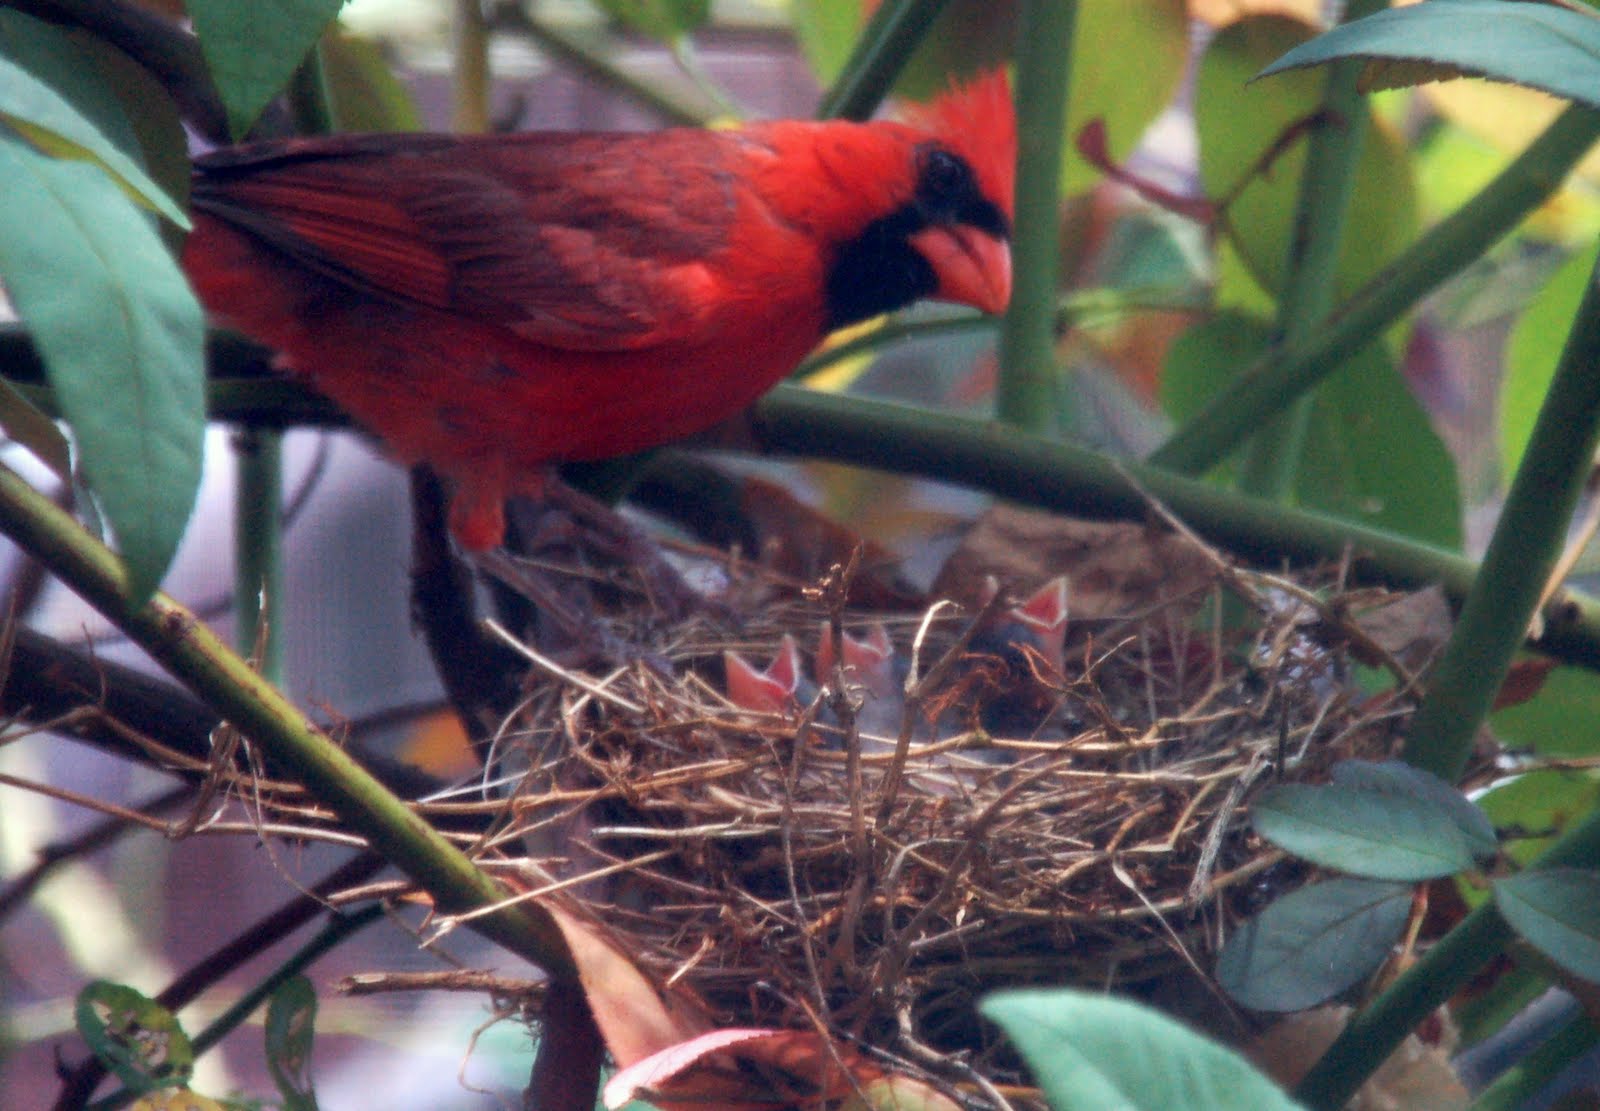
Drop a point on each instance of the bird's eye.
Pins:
(945, 177)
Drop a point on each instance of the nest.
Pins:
(875, 865)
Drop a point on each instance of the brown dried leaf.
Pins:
(1416, 1077)
(769, 1070)
(636, 1017)
(1113, 569)
(1411, 628)
(804, 543)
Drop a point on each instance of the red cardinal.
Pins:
(496, 304)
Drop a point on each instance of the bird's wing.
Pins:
(590, 242)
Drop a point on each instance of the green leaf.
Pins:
(253, 48)
(363, 91)
(60, 122)
(1091, 1052)
(1531, 356)
(1553, 49)
(1371, 453)
(1354, 828)
(134, 1036)
(1559, 721)
(1128, 61)
(121, 336)
(291, 1017)
(1533, 809)
(660, 19)
(1252, 154)
(827, 30)
(1396, 777)
(1554, 910)
(1313, 943)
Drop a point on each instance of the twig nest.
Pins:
(873, 855)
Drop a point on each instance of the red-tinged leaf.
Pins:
(1524, 681)
(797, 1068)
(1093, 147)
(643, 1079)
(636, 1016)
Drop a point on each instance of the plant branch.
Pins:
(1375, 1031)
(886, 44)
(1520, 1084)
(1526, 544)
(1272, 382)
(1027, 389)
(1312, 272)
(197, 658)
(1050, 475)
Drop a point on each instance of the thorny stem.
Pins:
(1272, 382)
(886, 44)
(1026, 393)
(1326, 184)
(194, 655)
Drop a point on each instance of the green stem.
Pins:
(688, 60)
(1273, 382)
(258, 456)
(1374, 1032)
(1519, 1084)
(1272, 464)
(1526, 544)
(258, 549)
(1034, 471)
(1026, 396)
(1025, 469)
(339, 927)
(192, 654)
(469, 89)
(1079, 309)
(886, 43)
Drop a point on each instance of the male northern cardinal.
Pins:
(496, 304)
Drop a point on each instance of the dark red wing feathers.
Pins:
(584, 242)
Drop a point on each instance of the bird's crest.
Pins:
(977, 119)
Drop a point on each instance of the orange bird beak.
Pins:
(973, 267)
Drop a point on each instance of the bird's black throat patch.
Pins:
(879, 270)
